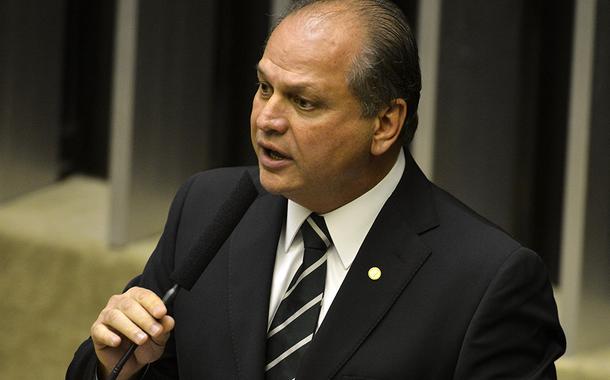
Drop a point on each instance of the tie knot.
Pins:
(315, 233)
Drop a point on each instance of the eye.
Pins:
(303, 104)
(265, 89)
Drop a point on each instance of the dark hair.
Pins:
(387, 67)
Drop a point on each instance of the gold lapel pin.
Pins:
(374, 273)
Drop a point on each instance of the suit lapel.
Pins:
(393, 245)
(252, 250)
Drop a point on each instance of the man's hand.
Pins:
(139, 316)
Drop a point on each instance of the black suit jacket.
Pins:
(457, 299)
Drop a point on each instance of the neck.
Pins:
(378, 168)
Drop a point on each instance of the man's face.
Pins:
(312, 144)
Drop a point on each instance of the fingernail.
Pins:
(140, 336)
(155, 329)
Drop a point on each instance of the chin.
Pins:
(277, 184)
(271, 182)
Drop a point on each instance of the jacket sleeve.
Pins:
(515, 331)
(155, 277)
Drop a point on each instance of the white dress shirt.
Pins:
(348, 226)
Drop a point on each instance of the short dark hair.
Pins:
(387, 68)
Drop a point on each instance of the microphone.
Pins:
(210, 241)
(204, 249)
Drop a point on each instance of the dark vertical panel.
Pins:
(555, 28)
(173, 104)
(194, 82)
(502, 113)
(31, 41)
(526, 119)
(87, 86)
(479, 121)
(242, 30)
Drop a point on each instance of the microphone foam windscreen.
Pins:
(212, 238)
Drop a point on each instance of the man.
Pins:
(407, 282)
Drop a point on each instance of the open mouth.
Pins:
(274, 155)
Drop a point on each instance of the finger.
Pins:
(114, 318)
(140, 316)
(168, 324)
(103, 336)
(150, 301)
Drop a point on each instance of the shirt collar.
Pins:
(349, 224)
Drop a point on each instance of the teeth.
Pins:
(275, 155)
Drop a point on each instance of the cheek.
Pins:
(328, 153)
(352, 140)
(349, 152)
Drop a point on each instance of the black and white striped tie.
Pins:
(294, 323)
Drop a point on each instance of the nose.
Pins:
(272, 116)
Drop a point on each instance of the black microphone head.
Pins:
(212, 238)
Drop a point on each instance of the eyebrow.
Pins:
(292, 87)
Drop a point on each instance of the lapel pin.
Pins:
(374, 273)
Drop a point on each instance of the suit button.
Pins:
(374, 273)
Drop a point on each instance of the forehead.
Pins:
(312, 45)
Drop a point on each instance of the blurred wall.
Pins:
(31, 59)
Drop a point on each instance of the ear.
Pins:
(389, 123)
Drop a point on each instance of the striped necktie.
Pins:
(294, 323)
